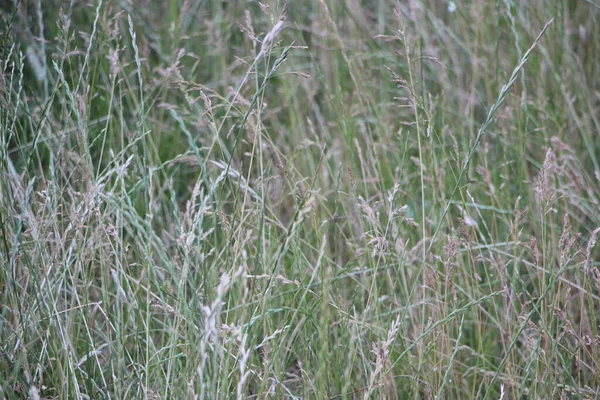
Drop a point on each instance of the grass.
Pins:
(318, 199)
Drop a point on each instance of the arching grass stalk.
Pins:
(480, 133)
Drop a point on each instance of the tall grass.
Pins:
(318, 199)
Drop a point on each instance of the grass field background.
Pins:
(312, 199)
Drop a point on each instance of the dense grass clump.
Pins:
(318, 199)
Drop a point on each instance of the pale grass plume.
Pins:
(382, 357)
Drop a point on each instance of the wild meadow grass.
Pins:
(305, 199)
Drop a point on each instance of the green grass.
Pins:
(323, 199)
